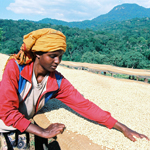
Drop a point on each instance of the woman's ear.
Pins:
(38, 56)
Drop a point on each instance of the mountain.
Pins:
(86, 23)
(118, 13)
(124, 12)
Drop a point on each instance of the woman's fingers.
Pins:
(54, 129)
(132, 135)
(144, 136)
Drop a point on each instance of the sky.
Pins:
(65, 10)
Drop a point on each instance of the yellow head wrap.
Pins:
(43, 40)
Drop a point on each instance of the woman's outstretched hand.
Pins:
(130, 134)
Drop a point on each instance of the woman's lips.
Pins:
(54, 67)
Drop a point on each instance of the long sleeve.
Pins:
(72, 98)
(9, 101)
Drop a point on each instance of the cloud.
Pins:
(58, 9)
(26, 7)
(73, 10)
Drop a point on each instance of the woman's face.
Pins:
(50, 60)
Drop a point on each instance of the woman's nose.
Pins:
(57, 60)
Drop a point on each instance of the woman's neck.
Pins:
(39, 72)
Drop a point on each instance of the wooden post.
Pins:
(146, 80)
(133, 77)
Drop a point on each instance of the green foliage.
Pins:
(1, 32)
(93, 57)
(124, 44)
(134, 60)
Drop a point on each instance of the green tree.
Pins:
(132, 59)
(69, 49)
(93, 57)
(0, 33)
(0, 37)
(132, 40)
(116, 60)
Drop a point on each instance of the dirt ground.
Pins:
(69, 140)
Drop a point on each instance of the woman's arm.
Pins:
(130, 134)
(9, 101)
(75, 100)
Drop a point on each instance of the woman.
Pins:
(30, 79)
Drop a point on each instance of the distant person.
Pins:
(30, 79)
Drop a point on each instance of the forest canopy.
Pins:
(124, 44)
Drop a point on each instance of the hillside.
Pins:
(123, 44)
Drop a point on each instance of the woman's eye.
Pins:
(52, 56)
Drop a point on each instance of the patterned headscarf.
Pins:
(42, 40)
